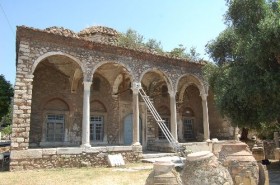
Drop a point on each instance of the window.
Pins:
(96, 128)
(188, 129)
(160, 133)
(55, 128)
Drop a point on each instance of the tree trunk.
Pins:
(244, 134)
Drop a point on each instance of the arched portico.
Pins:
(109, 82)
(53, 53)
(160, 89)
(182, 85)
(56, 82)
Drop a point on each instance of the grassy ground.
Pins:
(135, 174)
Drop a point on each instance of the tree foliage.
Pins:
(6, 120)
(134, 40)
(246, 74)
(6, 93)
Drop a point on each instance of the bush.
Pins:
(7, 130)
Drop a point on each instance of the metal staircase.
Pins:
(175, 145)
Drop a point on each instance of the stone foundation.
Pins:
(70, 157)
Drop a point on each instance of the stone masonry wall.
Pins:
(69, 157)
(22, 99)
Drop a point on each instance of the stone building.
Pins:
(76, 98)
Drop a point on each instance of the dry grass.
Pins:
(90, 176)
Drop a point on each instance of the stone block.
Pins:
(24, 45)
(69, 150)
(115, 160)
(119, 148)
(18, 111)
(20, 139)
(258, 153)
(277, 153)
(92, 150)
(26, 154)
(49, 151)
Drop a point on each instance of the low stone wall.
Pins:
(70, 157)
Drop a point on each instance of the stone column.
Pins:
(173, 119)
(86, 115)
(205, 117)
(135, 108)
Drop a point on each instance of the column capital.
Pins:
(87, 85)
(172, 93)
(135, 87)
(203, 96)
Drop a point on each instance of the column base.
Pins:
(85, 146)
(136, 144)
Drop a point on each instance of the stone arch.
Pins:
(158, 71)
(188, 112)
(192, 81)
(97, 106)
(75, 81)
(47, 101)
(53, 53)
(164, 110)
(128, 69)
(116, 84)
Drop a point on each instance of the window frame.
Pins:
(93, 134)
(44, 142)
(55, 122)
(104, 134)
(193, 129)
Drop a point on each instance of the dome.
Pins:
(61, 31)
(98, 29)
(100, 34)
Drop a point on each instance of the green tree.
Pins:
(134, 40)
(246, 75)
(131, 39)
(6, 93)
(182, 52)
(155, 45)
(7, 119)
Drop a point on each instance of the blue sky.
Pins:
(187, 22)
